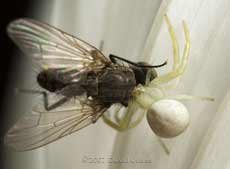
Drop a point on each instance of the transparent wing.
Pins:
(51, 47)
(42, 127)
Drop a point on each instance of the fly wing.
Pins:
(53, 48)
(42, 127)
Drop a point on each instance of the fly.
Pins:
(77, 83)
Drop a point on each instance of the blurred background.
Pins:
(134, 30)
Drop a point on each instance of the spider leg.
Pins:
(124, 123)
(175, 45)
(121, 120)
(112, 123)
(189, 97)
(163, 145)
(116, 116)
(139, 119)
(120, 125)
(179, 70)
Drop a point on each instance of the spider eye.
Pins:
(168, 118)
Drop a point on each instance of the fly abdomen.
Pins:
(50, 80)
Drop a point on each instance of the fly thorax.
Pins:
(116, 86)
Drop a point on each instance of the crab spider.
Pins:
(166, 116)
(146, 95)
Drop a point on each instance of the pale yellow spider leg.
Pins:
(175, 45)
(132, 124)
(163, 145)
(111, 123)
(181, 67)
(116, 116)
(189, 97)
(139, 119)
(118, 120)
(186, 47)
(124, 122)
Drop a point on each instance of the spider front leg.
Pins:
(175, 45)
(178, 67)
(124, 122)
(113, 123)
(190, 97)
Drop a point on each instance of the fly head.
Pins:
(141, 72)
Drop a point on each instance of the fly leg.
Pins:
(101, 46)
(35, 92)
(45, 98)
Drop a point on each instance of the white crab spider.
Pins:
(166, 116)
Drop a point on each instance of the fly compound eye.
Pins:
(168, 118)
